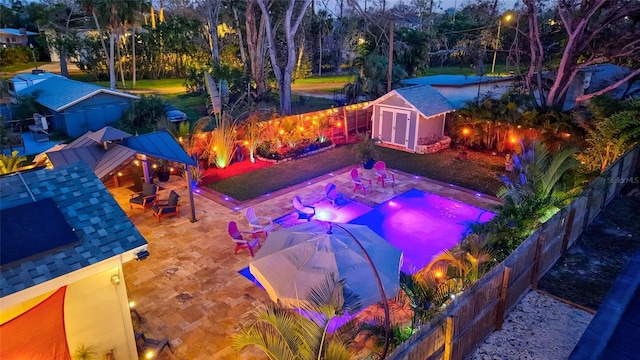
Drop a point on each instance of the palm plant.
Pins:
(9, 164)
(286, 334)
(221, 146)
(252, 134)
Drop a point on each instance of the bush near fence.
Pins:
(482, 308)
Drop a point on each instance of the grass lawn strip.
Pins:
(479, 173)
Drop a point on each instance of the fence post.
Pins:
(587, 213)
(502, 303)
(619, 181)
(536, 262)
(567, 230)
(448, 338)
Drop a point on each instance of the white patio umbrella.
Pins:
(294, 260)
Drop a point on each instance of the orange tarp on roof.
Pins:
(38, 333)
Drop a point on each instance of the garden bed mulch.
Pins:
(214, 174)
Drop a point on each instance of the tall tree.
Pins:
(597, 31)
(255, 27)
(284, 62)
(323, 25)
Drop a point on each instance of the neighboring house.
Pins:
(404, 116)
(458, 89)
(75, 107)
(597, 77)
(23, 81)
(15, 37)
(64, 241)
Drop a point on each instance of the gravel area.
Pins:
(540, 328)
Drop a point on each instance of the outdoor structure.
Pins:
(15, 37)
(23, 81)
(64, 241)
(458, 89)
(404, 116)
(74, 107)
(115, 155)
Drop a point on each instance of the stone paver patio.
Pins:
(189, 290)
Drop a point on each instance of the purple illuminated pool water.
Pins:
(421, 224)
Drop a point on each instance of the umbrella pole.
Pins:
(383, 296)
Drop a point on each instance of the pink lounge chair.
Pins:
(241, 243)
(384, 176)
(360, 183)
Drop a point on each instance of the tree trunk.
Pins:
(64, 70)
(243, 56)
(256, 48)
(300, 54)
(133, 54)
(213, 13)
(320, 55)
(112, 70)
(124, 85)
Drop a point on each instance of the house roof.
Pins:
(108, 133)
(104, 162)
(102, 228)
(11, 31)
(427, 100)
(58, 93)
(32, 77)
(454, 80)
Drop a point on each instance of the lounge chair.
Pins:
(335, 198)
(360, 183)
(384, 176)
(144, 199)
(259, 223)
(150, 348)
(241, 243)
(167, 208)
(304, 211)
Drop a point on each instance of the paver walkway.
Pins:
(189, 289)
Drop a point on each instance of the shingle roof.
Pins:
(454, 80)
(426, 99)
(102, 227)
(58, 93)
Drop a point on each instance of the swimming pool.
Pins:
(421, 224)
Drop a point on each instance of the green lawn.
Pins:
(12, 70)
(326, 79)
(478, 173)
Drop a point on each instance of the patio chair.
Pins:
(167, 208)
(259, 223)
(144, 199)
(335, 198)
(360, 182)
(241, 243)
(150, 348)
(304, 211)
(384, 176)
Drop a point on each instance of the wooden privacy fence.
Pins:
(354, 118)
(482, 307)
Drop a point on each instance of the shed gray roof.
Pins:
(454, 80)
(102, 227)
(58, 93)
(427, 100)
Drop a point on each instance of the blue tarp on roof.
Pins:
(454, 80)
(159, 144)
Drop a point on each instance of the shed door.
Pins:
(394, 126)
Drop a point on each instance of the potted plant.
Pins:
(196, 175)
(365, 150)
(162, 170)
(84, 352)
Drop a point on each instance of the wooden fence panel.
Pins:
(580, 206)
(474, 313)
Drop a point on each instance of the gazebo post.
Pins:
(193, 207)
(145, 168)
